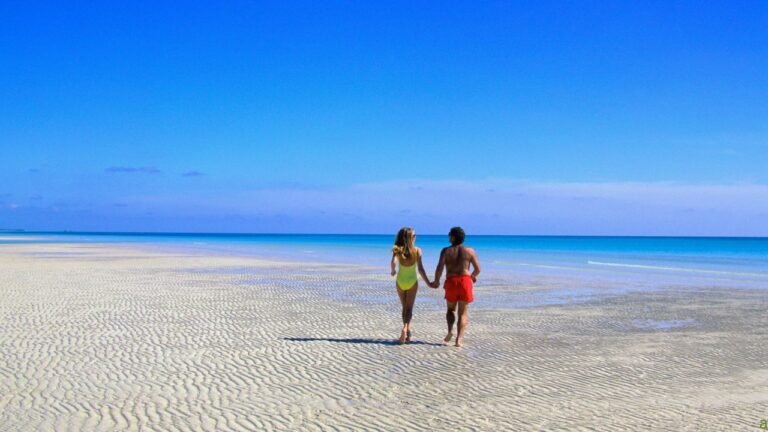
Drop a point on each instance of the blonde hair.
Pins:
(404, 243)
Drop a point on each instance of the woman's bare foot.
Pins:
(448, 337)
(459, 342)
(408, 336)
(402, 337)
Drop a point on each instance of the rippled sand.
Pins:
(111, 337)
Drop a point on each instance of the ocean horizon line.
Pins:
(328, 234)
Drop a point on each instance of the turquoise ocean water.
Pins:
(644, 261)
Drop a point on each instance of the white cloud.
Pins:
(495, 206)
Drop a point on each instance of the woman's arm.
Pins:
(422, 272)
(392, 264)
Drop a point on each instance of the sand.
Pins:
(115, 337)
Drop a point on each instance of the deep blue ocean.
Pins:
(671, 260)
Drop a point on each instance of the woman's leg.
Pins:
(410, 300)
(402, 296)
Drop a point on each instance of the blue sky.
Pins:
(647, 118)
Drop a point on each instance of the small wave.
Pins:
(544, 266)
(679, 269)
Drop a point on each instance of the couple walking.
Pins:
(456, 259)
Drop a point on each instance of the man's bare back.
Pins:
(457, 260)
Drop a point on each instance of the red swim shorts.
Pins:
(458, 288)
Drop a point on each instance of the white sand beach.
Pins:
(115, 337)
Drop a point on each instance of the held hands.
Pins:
(435, 284)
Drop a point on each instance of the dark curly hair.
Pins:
(458, 235)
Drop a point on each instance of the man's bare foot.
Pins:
(448, 337)
(459, 343)
(408, 336)
(402, 337)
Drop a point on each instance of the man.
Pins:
(458, 283)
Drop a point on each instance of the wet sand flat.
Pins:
(115, 337)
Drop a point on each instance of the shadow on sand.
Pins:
(360, 341)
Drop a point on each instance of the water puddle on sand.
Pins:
(503, 297)
(55, 254)
(649, 324)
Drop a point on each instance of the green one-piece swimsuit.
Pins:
(406, 276)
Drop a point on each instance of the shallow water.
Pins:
(575, 268)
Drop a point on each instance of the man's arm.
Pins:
(475, 265)
(439, 269)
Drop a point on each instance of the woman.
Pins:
(407, 256)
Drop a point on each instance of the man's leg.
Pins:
(463, 321)
(450, 318)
